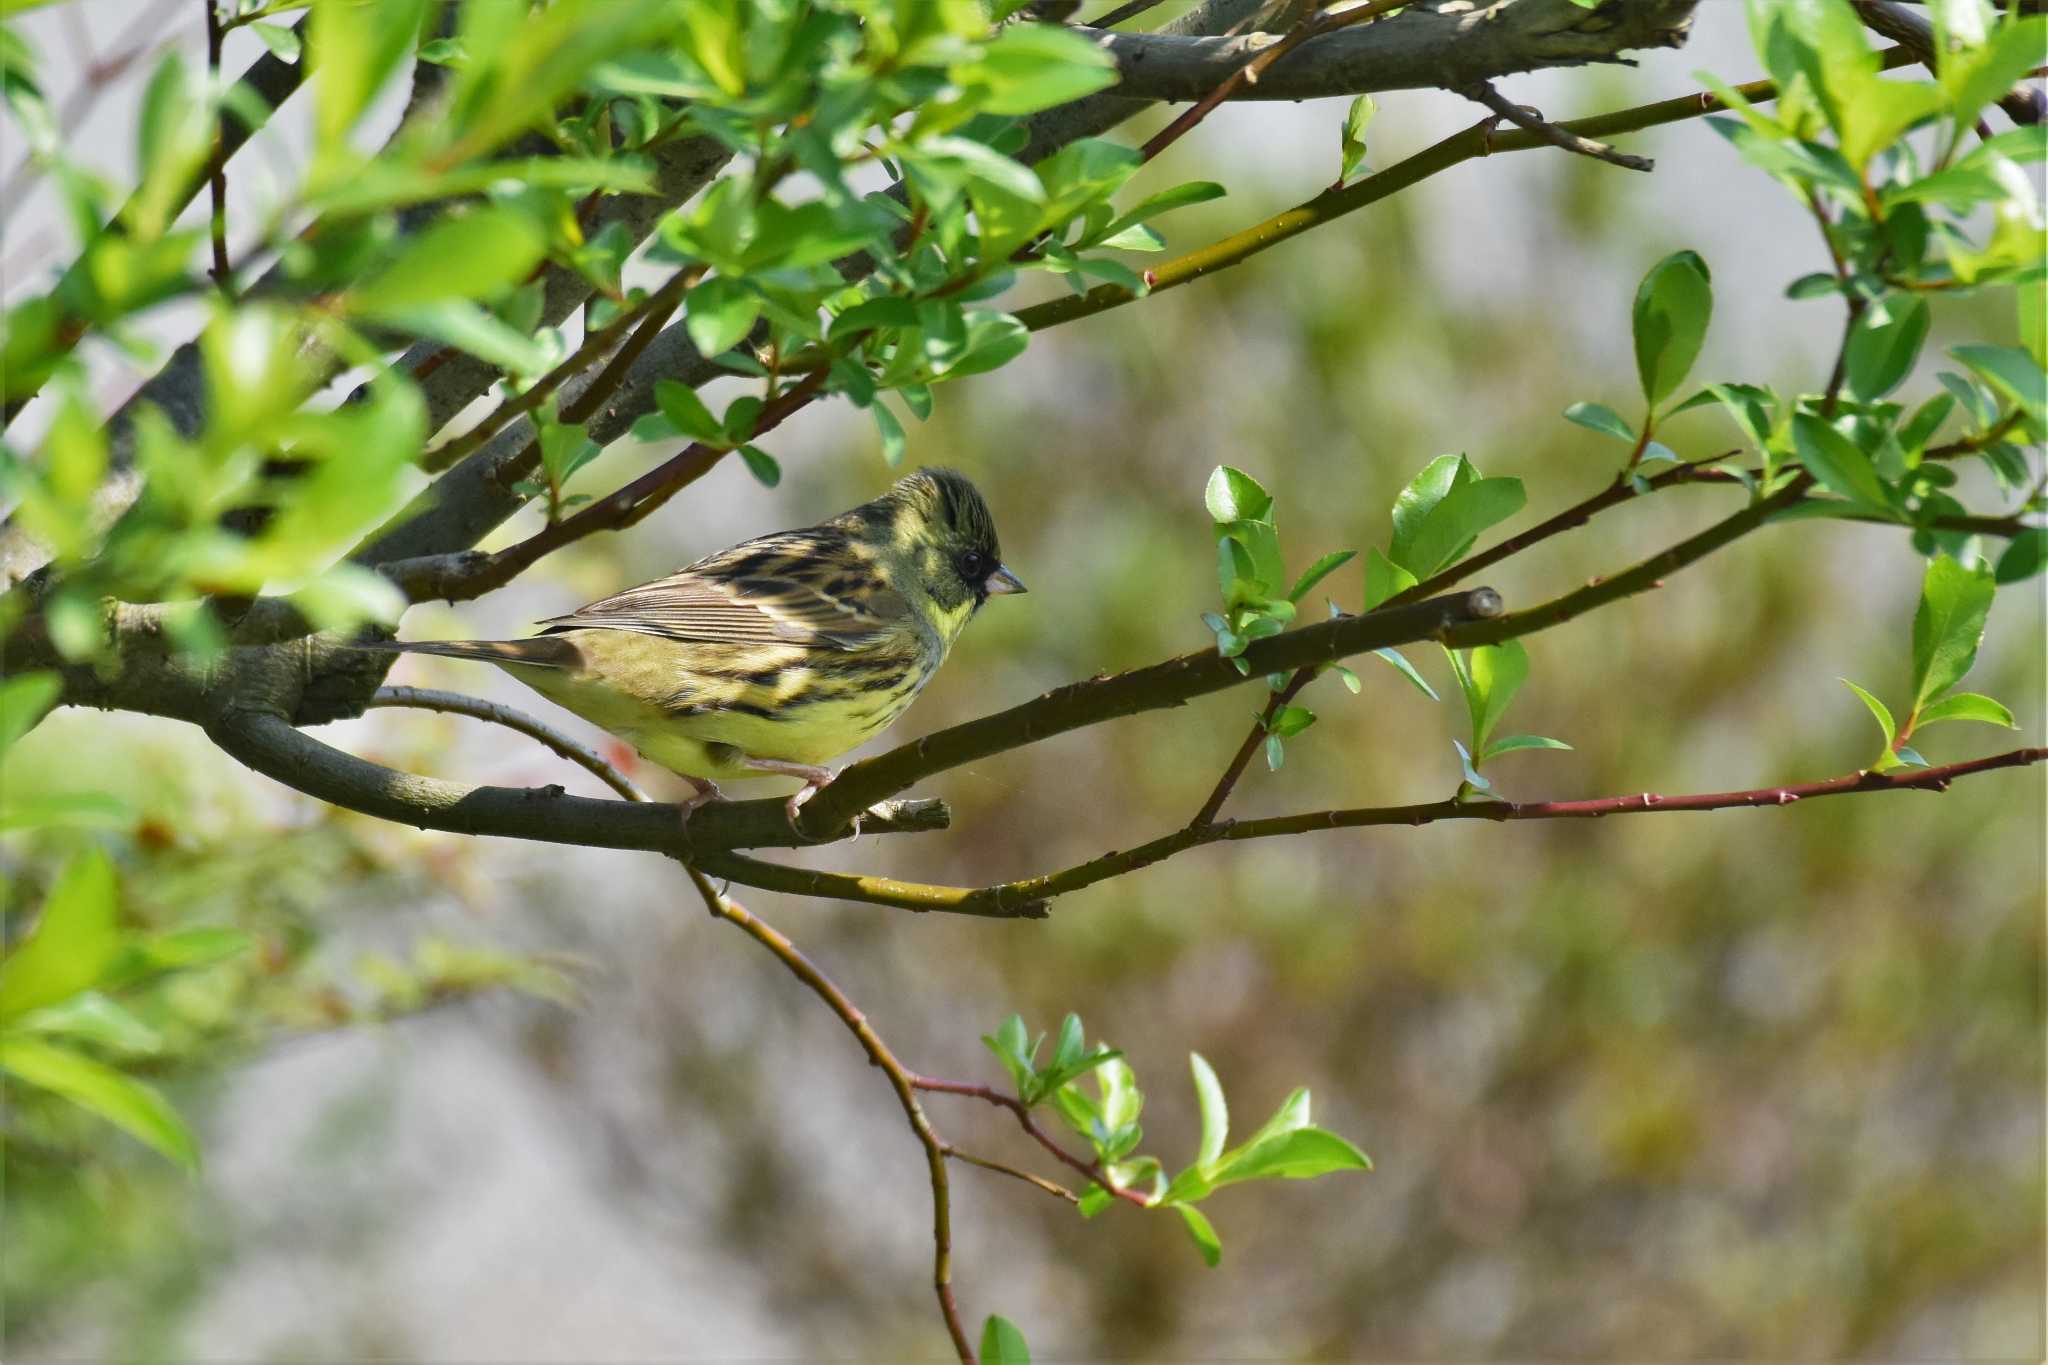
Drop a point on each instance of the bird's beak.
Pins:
(1003, 581)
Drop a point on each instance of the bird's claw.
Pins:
(706, 793)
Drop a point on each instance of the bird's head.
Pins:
(939, 543)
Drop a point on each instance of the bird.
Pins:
(776, 655)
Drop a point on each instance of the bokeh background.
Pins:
(1749, 1084)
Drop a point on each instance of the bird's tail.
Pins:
(544, 651)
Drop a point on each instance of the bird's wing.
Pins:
(806, 589)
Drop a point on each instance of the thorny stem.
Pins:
(900, 1080)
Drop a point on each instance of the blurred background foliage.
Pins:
(1749, 1084)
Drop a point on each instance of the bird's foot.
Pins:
(705, 793)
(816, 779)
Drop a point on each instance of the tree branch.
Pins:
(1421, 48)
(1145, 689)
(1334, 203)
(272, 746)
(1118, 864)
(804, 881)
(900, 1080)
(1256, 65)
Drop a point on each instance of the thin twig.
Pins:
(1533, 121)
(1092, 1169)
(1331, 204)
(1314, 26)
(1122, 14)
(902, 1081)
(1434, 812)
(476, 708)
(223, 274)
(1053, 1188)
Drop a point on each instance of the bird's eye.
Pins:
(974, 566)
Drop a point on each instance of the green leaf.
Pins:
(282, 42)
(356, 45)
(1491, 675)
(1276, 753)
(175, 129)
(1406, 670)
(893, 439)
(1820, 284)
(1204, 1233)
(2023, 558)
(1879, 710)
(1215, 1113)
(1601, 418)
(1472, 777)
(1009, 1043)
(24, 701)
(686, 412)
(1840, 466)
(1414, 503)
(1965, 706)
(2033, 321)
(1975, 75)
(103, 1091)
(1884, 345)
(1948, 626)
(1351, 145)
(70, 810)
(72, 944)
(1233, 495)
(993, 340)
(1453, 524)
(2011, 371)
(1299, 1154)
(1030, 67)
(1002, 1343)
(1672, 308)
(1925, 421)
(1316, 572)
(1291, 721)
(720, 313)
(762, 465)
(468, 327)
(92, 1018)
(1384, 578)
(1513, 743)
(178, 950)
